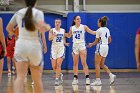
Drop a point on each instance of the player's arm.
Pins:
(68, 35)
(11, 24)
(89, 30)
(44, 42)
(94, 43)
(109, 39)
(137, 49)
(51, 35)
(41, 25)
(96, 39)
(2, 37)
(65, 43)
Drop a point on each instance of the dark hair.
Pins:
(103, 21)
(58, 19)
(73, 23)
(28, 18)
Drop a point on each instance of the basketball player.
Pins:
(28, 48)
(79, 49)
(56, 35)
(3, 51)
(10, 44)
(137, 49)
(103, 38)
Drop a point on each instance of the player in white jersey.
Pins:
(103, 38)
(79, 49)
(28, 48)
(56, 35)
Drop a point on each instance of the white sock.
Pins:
(98, 79)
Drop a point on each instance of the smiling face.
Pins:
(58, 23)
(77, 20)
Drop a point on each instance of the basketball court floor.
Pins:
(125, 83)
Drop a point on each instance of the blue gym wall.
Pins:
(122, 26)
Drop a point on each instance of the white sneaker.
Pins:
(87, 81)
(9, 74)
(96, 83)
(75, 81)
(112, 79)
(61, 77)
(57, 82)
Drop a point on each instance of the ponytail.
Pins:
(103, 21)
(28, 20)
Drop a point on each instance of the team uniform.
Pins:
(78, 39)
(10, 44)
(58, 48)
(102, 48)
(28, 47)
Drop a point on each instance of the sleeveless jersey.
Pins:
(59, 39)
(78, 34)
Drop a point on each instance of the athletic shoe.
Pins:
(87, 81)
(112, 79)
(9, 74)
(96, 83)
(61, 77)
(57, 82)
(33, 83)
(75, 81)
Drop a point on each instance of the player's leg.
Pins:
(9, 65)
(106, 69)
(22, 68)
(75, 68)
(1, 68)
(83, 56)
(36, 73)
(58, 71)
(13, 66)
(97, 70)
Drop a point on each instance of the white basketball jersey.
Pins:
(18, 19)
(78, 34)
(59, 39)
(103, 34)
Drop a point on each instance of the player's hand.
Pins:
(90, 45)
(66, 34)
(54, 35)
(67, 44)
(47, 27)
(45, 50)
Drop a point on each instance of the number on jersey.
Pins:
(58, 39)
(77, 36)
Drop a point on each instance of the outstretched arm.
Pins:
(89, 30)
(93, 43)
(68, 35)
(44, 42)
